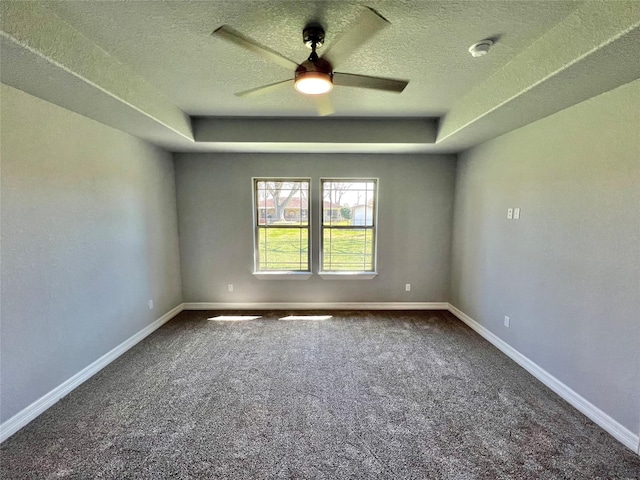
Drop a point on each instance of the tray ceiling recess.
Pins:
(154, 70)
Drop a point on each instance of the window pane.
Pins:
(280, 202)
(348, 202)
(282, 224)
(347, 249)
(348, 225)
(283, 249)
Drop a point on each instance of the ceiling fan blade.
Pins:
(230, 35)
(365, 81)
(366, 26)
(264, 89)
(323, 105)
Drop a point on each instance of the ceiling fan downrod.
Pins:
(313, 37)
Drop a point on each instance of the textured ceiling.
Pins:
(152, 68)
(169, 44)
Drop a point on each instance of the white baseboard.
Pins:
(318, 306)
(24, 416)
(618, 431)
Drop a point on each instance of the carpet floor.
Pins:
(393, 395)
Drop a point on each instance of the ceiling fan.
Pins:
(315, 76)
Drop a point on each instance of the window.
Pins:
(281, 225)
(348, 225)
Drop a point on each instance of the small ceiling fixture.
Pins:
(481, 48)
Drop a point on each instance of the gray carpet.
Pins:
(364, 395)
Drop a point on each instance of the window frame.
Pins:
(350, 274)
(279, 274)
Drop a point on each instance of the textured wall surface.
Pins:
(89, 235)
(568, 271)
(216, 226)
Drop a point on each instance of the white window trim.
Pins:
(280, 274)
(276, 275)
(347, 274)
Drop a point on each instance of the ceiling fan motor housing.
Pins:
(314, 77)
(320, 65)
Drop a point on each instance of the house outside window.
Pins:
(281, 225)
(349, 215)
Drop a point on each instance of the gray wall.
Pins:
(568, 272)
(216, 226)
(89, 235)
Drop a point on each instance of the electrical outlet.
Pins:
(150, 304)
(230, 287)
(507, 321)
(407, 287)
(516, 213)
(509, 213)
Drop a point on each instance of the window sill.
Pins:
(348, 275)
(282, 275)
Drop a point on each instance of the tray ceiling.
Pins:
(157, 67)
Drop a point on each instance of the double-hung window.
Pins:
(281, 225)
(348, 240)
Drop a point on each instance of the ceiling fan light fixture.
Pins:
(313, 83)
